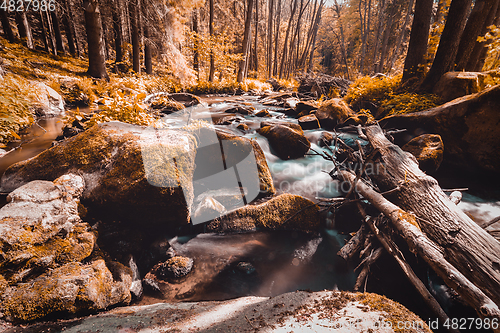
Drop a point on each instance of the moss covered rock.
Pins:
(457, 84)
(334, 112)
(284, 212)
(287, 141)
(428, 149)
(71, 288)
(468, 127)
(40, 228)
(129, 171)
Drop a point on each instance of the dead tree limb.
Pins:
(455, 239)
(363, 275)
(419, 243)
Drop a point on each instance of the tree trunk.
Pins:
(287, 34)
(342, 40)
(211, 74)
(246, 41)
(377, 35)
(269, 51)
(97, 60)
(472, 30)
(50, 32)
(196, 53)
(117, 27)
(452, 236)
(24, 29)
(7, 29)
(136, 48)
(402, 35)
(256, 40)
(448, 44)
(276, 39)
(315, 34)
(57, 32)
(148, 49)
(69, 26)
(478, 55)
(43, 28)
(385, 41)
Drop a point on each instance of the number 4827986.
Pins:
(25, 5)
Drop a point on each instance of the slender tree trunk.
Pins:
(342, 39)
(71, 33)
(256, 40)
(7, 29)
(276, 39)
(43, 28)
(148, 49)
(136, 48)
(24, 29)
(315, 34)
(381, 10)
(57, 31)
(366, 31)
(51, 34)
(472, 30)
(196, 53)
(269, 50)
(246, 41)
(385, 41)
(448, 44)
(97, 60)
(285, 46)
(402, 35)
(117, 27)
(478, 54)
(211, 30)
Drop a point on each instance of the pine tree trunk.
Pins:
(24, 29)
(287, 34)
(276, 39)
(269, 50)
(69, 27)
(478, 54)
(365, 36)
(385, 41)
(57, 32)
(134, 23)
(401, 36)
(448, 44)
(50, 32)
(472, 30)
(377, 35)
(211, 74)
(196, 54)
(246, 42)
(7, 29)
(117, 27)
(97, 60)
(43, 28)
(148, 49)
(256, 40)
(315, 34)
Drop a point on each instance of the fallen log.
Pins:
(433, 254)
(455, 237)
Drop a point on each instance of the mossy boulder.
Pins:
(468, 127)
(334, 112)
(304, 108)
(286, 140)
(129, 171)
(284, 212)
(428, 149)
(40, 228)
(71, 288)
(457, 84)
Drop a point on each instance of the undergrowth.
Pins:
(382, 94)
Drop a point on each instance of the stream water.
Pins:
(285, 261)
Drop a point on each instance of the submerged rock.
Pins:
(125, 167)
(428, 149)
(468, 127)
(284, 212)
(287, 140)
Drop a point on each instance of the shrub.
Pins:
(371, 90)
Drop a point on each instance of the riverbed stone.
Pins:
(286, 140)
(129, 171)
(284, 212)
(334, 112)
(468, 127)
(428, 149)
(304, 108)
(309, 122)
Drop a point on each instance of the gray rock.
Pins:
(49, 103)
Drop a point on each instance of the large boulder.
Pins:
(129, 171)
(457, 84)
(48, 101)
(428, 149)
(334, 112)
(284, 212)
(287, 140)
(468, 126)
(43, 242)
